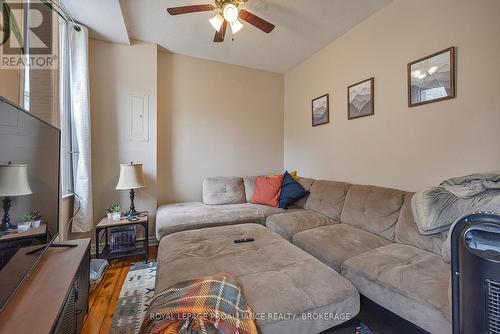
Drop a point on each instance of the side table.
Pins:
(142, 247)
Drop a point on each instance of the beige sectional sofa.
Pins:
(366, 233)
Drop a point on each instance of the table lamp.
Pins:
(13, 183)
(131, 177)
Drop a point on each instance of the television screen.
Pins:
(29, 193)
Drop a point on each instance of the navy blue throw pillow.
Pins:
(291, 191)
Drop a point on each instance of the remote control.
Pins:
(239, 241)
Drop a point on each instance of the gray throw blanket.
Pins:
(435, 209)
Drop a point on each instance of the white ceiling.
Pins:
(302, 28)
(103, 17)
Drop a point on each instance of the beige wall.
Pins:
(117, 72)
(401, 147)
(9, 85)
(215, 119)
(198, 132)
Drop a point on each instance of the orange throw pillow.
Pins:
(267, 190)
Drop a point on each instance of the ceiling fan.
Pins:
(228, 11)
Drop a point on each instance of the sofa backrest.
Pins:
(327, 197)
(373, 209)
(223, 190)
(306, 183)
(408, 234)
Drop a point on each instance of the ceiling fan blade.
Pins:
(189, 9)
(256, 21)
(219, 35)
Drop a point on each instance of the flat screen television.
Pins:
(29, 194)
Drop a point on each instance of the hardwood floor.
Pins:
(102, 301)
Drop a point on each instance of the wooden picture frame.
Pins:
(360, 89)
(320, 110)
(443, 85)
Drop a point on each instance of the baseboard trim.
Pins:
(151, 241)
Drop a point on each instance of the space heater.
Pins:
(475, 267)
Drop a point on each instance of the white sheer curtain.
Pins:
(77, 102)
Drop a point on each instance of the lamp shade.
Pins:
(217, 22)
(14, 180)
(131, 177)
(236, 26)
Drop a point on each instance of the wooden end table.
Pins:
(12, 241)
(105, 224)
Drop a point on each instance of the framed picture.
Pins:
(321, 110)
(432, 78)
(360, 99)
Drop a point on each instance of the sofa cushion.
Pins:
(407, 232)
(287, 224)
(373, 209)
(267, 190)
(446, 247)
(306, 183)
(408, 281)
(249, 183)
(223, 190)
(276, 277)
(327, 197)
(266, 211)
(334, 244)
(291, 191)
(172, 218)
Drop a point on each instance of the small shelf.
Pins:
(137, 251)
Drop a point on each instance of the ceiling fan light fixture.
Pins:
(230, 12)
(236, 26)
(216, 21)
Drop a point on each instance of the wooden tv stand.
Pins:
(54, 297)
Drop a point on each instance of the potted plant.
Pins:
(34, 218)
(114, 212)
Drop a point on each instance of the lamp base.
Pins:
(132, 213)
(6, 225)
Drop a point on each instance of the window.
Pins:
(69, 151)
(38, 84)
(26, 71)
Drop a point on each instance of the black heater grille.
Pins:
(493, 307)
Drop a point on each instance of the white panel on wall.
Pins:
(139, 118)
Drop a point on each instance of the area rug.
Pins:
(135, 296)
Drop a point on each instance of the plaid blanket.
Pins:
(208, 305)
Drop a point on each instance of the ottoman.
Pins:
(289, 290)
